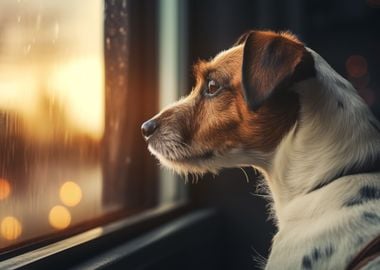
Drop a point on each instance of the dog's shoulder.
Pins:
(326, 229)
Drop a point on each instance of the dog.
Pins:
(272, 103)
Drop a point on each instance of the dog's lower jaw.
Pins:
(194, 164)
(213, 162)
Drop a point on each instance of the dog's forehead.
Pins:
(231, 57)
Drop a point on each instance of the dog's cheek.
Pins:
(220, 121)
(268, 125)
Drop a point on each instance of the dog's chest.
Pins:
(300, 252)
(327, 237)
(331, 250)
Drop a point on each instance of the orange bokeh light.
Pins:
(5, 189)
(70, 193)
(10, 228)
(356, 66)
(59, 217)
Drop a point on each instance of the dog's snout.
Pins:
(148, 128)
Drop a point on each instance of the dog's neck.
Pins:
(324, 141)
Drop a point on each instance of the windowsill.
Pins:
(95, 240)
(166, 242)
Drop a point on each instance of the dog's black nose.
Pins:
(148, 128)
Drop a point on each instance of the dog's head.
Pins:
(238, 111)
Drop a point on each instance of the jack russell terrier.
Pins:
(274, 104)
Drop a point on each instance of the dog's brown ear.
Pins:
(272, 62)
(242, 38)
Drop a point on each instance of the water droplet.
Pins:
(122, 30)
(56, 30)
(38, 22)
(124, 4)
(27, 49)
(115, 125)
(121, 64)
(19, 18)
(108, 43)
(121, 80)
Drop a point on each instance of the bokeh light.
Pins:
(373, 3)
(10, 228)
(70, 193)
(5, 189)
(59, 217)
(356, 66)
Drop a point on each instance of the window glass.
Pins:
(70, 148)
(51, 115)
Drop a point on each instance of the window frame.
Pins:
(99, 234)
(83, 246)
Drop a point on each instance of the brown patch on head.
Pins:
(203, 123)
(219, 116)
(273, 120)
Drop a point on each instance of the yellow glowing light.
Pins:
(5, 189)
(10, 228)
(79, 84)
(70, 193)
(59, 217)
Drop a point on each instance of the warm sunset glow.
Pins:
(18, 95)
(5, 189)
(79, 84)
(49, 73)
(10, 228)
(59, 217)
(70, 193)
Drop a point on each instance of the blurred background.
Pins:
(77, 79)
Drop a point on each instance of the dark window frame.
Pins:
(86, 245)
(142, 214)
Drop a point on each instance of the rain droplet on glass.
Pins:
(108, 43)
(122, 30)
(38, 22)
(56, 30)
(27, 49)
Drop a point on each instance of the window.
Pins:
(77, 79)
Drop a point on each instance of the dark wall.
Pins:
(345, 33)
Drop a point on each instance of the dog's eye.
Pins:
(212, 87)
